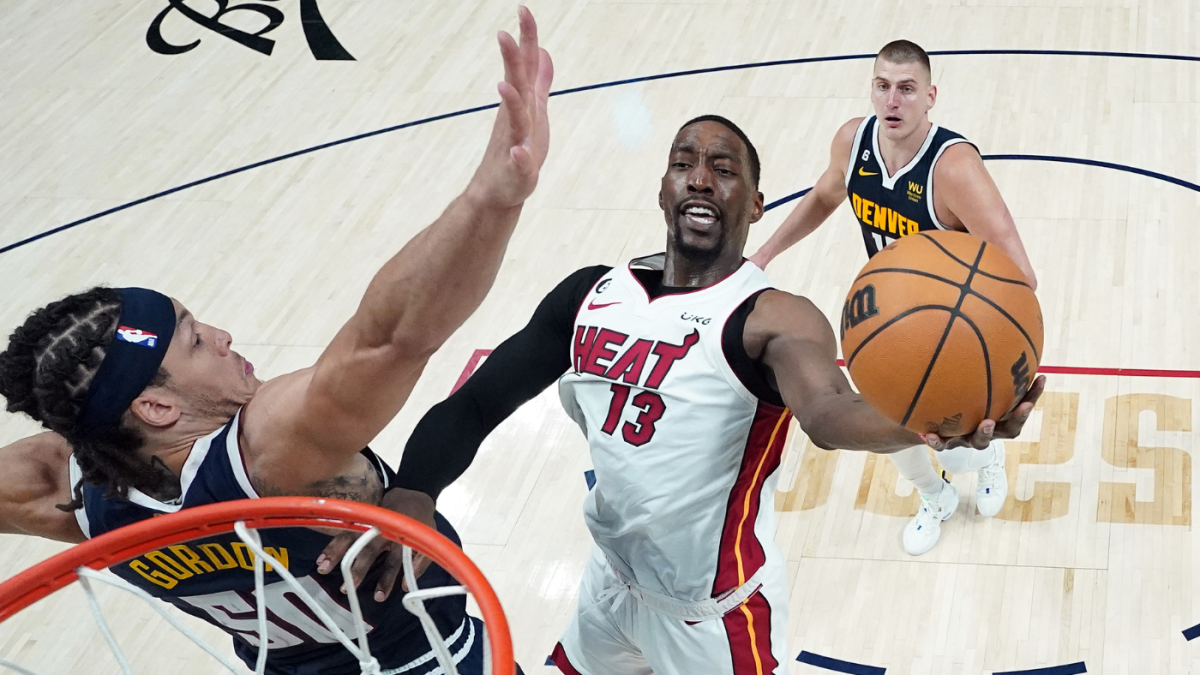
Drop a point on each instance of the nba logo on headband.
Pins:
(137, 336)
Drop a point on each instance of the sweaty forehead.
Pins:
(711, 137)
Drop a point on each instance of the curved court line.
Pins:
(633, 80)
(1069, 669)
(1034, 158)
(838, 665)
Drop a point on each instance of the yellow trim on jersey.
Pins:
(737, 542)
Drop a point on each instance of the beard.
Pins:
(701, 256)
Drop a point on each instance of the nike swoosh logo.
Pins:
(593, 305)
(864, 173)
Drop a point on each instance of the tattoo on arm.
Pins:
(362, 484)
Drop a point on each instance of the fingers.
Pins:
(983, 435)
(332, 555)
(530, 53)
(545, 75)
(368, 556)
(1012, 423)
(420, 564)
(513, 108)
(510, 53)
(393, 567)
(1035, 392)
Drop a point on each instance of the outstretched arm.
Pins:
(311, 425)
(445, 441)
(816, 206)
(796, 343)
(35, 479)
(966, 190)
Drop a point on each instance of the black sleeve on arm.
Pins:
(446, 439)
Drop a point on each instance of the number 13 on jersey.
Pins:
(650, 409)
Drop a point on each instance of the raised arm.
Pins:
(35, 479)
(971, 200)
(816, 206)
(309, 425)
(445, 441)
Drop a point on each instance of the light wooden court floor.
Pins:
(1090, 561)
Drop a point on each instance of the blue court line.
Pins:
(1036, 158)
(838, 665)
(1069, 669)
(634, 80)
(589, 477)
(1192, 633)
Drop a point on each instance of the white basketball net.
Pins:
(414, 602)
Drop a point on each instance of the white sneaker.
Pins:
(991, 488)
(923, 532)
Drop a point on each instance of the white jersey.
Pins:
(685, 456)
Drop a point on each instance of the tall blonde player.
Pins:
(889, 165)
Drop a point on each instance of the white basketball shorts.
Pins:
(621, 630)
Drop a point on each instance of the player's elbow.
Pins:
(811, 426)
(820, 443)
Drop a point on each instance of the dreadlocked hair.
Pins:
(45, 373)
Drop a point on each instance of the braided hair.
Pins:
(45, 373)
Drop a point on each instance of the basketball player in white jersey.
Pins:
(888, 164)
(149, 411)
(683, 371)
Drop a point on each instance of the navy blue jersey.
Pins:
(213, 578)
(891, 207)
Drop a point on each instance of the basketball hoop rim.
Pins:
(128, 542)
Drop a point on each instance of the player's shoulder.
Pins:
(850, 128)
(780, 312)
(959, 163)
(779, 315)
(585, 277)
(846, 133)
(775, 301)
(843, 142)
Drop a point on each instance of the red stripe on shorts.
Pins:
(749, 630)
(559, 657)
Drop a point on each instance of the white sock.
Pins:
(916, 467)
(962, 460)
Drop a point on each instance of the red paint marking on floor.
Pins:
(1112, 372)
(479, 354)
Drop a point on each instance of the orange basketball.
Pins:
(941, 331)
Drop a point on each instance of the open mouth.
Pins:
(699, 215)
(247, 368)
(892, 121)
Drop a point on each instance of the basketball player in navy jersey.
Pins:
(889, 164)
(683, 370)
(150, 411)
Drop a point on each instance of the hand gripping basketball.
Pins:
(942, 334)
(1009, 426)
